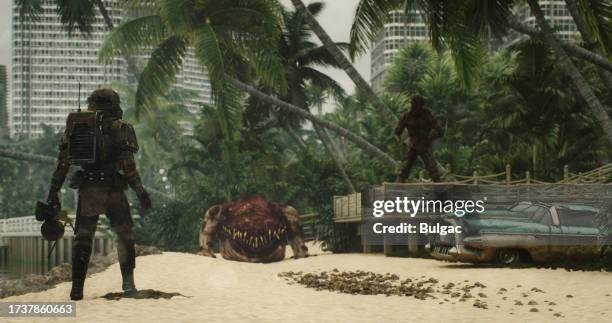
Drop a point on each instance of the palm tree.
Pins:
(226, 36)
(570, 69)
(461, 25)
(345, 64)
(599, 45)
(300, 55)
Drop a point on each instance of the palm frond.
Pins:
(598, 16)
(77, 14)
(468, 54)
(370, 17)
(179, 15)
(132, 36)
(29, 10)
(159, 73)
(489, 16)
(320, 55)
(324, 82)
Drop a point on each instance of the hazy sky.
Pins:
(336, 18)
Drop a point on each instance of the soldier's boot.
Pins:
(127, 262)
(128, 286)
(80, 261)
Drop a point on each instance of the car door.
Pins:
(579, 236)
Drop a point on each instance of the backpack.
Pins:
(85, 137)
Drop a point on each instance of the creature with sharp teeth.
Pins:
(252, 229)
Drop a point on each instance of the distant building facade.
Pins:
(48, 65)
(4, 122)
(557, 15)
(401, 29)
(397, 31)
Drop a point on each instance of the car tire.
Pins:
(508, 257)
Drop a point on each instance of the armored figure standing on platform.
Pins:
(103, 145)
(423, 129)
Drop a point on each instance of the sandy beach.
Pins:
(217, 290)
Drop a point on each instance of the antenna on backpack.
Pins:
(79, 109)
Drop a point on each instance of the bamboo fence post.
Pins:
(565, 173)
(508, 174)
(528, 177)
(475, 175)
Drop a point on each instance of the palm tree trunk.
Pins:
(588, 38)
(295, 138)
(43, 159)
(334, 145)
(571, 49)
(386, 114)
(566, 65)
(328, 146)
(105, 15)
(354, 138)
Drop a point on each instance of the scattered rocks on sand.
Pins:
(569, 296)
(480, 304)
(370, 283)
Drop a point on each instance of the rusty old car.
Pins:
(524, 232)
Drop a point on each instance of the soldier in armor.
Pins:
(423, 129)
(101, 186)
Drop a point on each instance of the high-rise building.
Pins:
(402, 28)
(4, 129)
(48, 66)
(557, 15)
(399, 29)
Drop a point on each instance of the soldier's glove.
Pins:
(398, 139)
(145, 200)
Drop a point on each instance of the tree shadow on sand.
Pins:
(143, 294)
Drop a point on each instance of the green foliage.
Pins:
(23, 183)
(463, 27)
(522, 114)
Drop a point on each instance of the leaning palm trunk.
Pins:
(566, 65)
(334, 155)
(42, 159)
(387, 115)
(570, 48)
(588, 38)
(354, 138)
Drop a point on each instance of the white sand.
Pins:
(225, 291)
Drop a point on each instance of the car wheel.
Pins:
(508, 256)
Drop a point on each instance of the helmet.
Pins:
(106, 100)
(52, 229)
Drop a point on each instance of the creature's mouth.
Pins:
(255, 240)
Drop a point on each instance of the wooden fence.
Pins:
(23, 251)
(309, 226)
(601, 174)
(501, 189)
